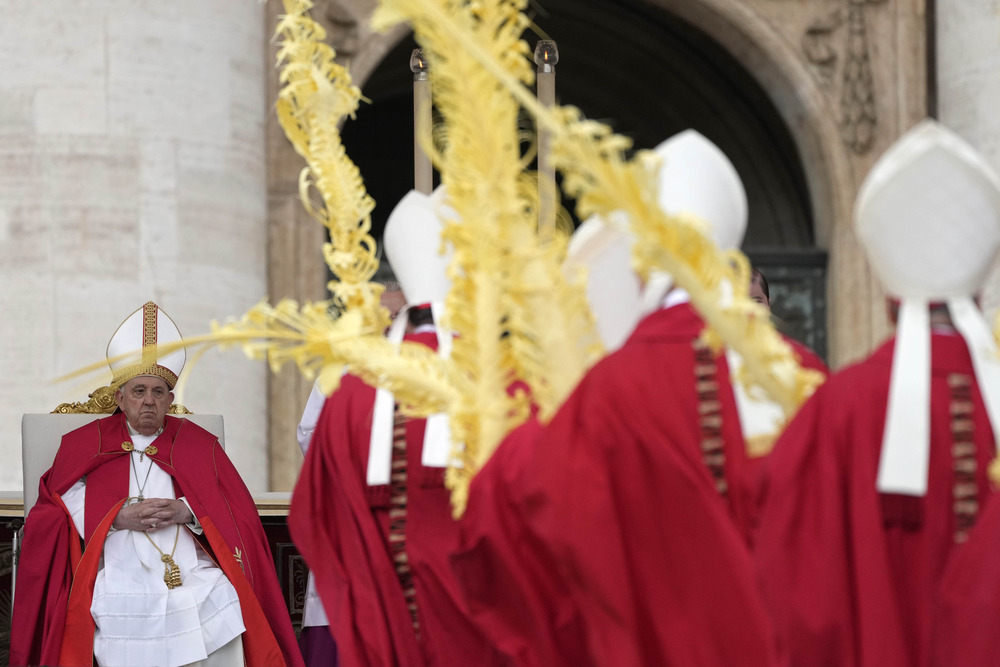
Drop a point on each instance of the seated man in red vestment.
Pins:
(877, 482)
(173, 568)
(370, 513)
(617, 534)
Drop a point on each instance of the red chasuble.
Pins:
(605, 533)
(516, 598)
(52, 624)
(850, 574)
(965, 625)
(380, 554)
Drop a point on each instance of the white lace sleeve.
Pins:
(194, 525)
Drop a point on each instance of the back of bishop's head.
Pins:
(698, 179)
(413, 245)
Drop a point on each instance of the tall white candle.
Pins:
(546, 57)
(423, 172)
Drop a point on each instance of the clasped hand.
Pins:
(152, 514)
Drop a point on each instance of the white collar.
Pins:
(676, 297)
(132, 431)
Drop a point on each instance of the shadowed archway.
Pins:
(649, 74)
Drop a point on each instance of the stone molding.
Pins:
(839, 52)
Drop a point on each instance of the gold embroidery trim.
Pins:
(149, 334)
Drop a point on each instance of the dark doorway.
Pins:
(649, 75)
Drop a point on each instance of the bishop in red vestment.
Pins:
(380, 553)
(876, 485)
(615, 532)
(618, 533)
(851, 573)
(375, 533)
(52, 620)
(965, 621)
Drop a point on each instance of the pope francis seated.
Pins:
(145, 548)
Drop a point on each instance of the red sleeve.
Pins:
(334, 529)
(77, 648)
(821, 551)
(250, 569)
(49, 554)
(44, 578)
(966, 620)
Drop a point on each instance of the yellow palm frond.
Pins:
(596, 171)
(510, 303)
(316, 94)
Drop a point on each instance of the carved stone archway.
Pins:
(822, 63)
(846, 76)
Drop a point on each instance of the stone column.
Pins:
(131, 168)
(968, 63)
(295, 257)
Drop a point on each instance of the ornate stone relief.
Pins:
(823, 44)
(341, 19)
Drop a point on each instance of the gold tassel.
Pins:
(171, 573)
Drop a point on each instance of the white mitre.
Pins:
(613, 288)
(145, 329)
(698, 179)
(928, 216)
(695, 179)
(413, 246)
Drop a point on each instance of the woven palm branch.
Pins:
(510, 304)
(316, 94)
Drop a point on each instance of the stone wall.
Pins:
(968, 76)
(131, 168)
